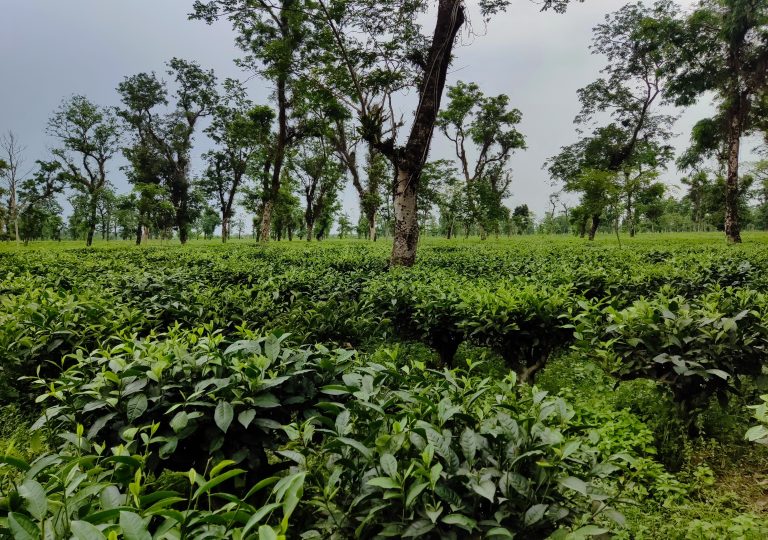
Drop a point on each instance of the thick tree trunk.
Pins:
(266, 221)
(406, 222)
(594, 226)
(310, 229)
(732, 226)
(410, 160)
(139, 230)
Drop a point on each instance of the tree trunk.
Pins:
(732, 228)
(266, 221)
(224, 229)
(595, 225)
(91, 224)
(310, 229)
(372, 225)
(410, 160)
(139, 231)
(406, 222)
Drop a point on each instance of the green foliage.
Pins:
(187, 388)
(410, 452)
(179, 356)
(87, 492)
(698, 347)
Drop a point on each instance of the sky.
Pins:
(51, 49)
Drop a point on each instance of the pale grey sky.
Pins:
(50, 49)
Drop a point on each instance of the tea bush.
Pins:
(310, 391)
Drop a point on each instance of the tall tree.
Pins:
(13, 175)
(321, 176)
(633, 40)
(722, 47)
(271, 34)
(241, 132)
(488, 124)
(89, 136)
(163, 141)
(38, 209)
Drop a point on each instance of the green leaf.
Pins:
(246, 417)
(460, 520)
(534, 514)
(259, 515)
(267, 533)
(223, 415)
(133, 527)
(499, 532)
(756, 433)
(486, 488)
(360, 447)
(383, 482)
(414, 492)
(82, 530)
(468, 444)
(22, 527)
(19, 464)
(388, 465)
(418, 528)
(179, 421)
(272, 348)
(35, 498)
(137, 406)
(213, 482)
(575, 484)
(588, 531)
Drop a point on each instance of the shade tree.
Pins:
(721, 48)
(163, 127)
(89, 136)
(241, 132)
(484, 135)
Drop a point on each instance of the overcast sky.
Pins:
(50, 49)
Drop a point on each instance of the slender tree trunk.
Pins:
(371, 215)
(732, 227)
(279, 158)
(410, 161)
(630, 215)
(91, 223)
(594, 226)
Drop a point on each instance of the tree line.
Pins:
(335, 68)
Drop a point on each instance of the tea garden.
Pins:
(529, 388)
